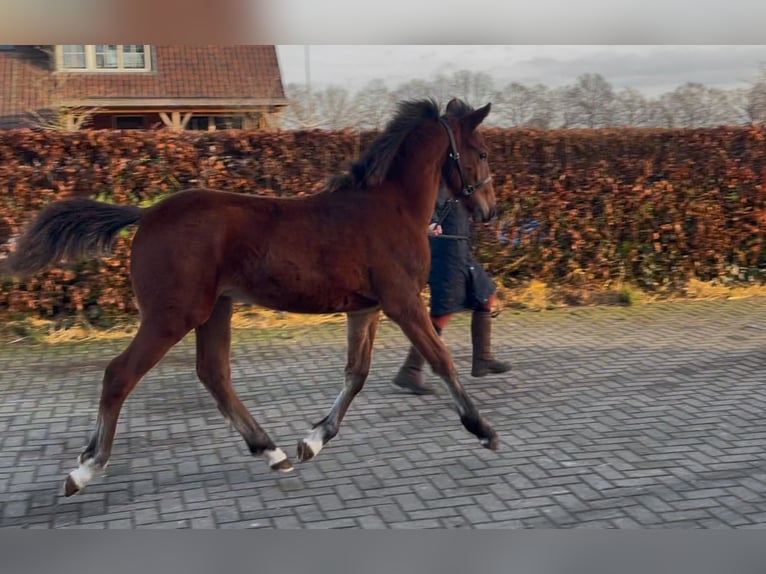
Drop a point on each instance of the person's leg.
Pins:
(484, 362)
(441, 322)
(410, 376)
(489, 304)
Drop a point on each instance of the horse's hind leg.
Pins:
(361, 327)
(121, 376)
(411, 315)
(213, 369)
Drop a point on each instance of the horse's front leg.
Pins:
(361, 327)
(411, 315)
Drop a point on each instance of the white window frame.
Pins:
(90, 61)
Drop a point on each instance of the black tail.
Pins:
(69, 230)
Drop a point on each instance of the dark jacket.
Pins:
(457, 280)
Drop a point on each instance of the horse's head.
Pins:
(466, 171)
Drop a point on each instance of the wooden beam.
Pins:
(79, 120)
(229, 111)
(176, 121)
(236, 103)
(70, 123)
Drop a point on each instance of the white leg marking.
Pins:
(274, 456)
(314, 440)
(84, 474)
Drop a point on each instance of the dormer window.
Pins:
(103, 58)
(74, 57)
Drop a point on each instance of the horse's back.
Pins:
(301, 255)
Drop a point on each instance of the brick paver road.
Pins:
(639, 417)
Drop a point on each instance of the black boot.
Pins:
(481, 337)
(410, 375)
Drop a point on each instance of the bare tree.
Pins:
(661, 112)
(517, 104)
(543, 109)
(758, 98)
(696, 105)
(565, 112)
(335, 108)
(525, 106)
(752, 101)
(591, 99)
(477, 88)
(721, 108)
(590, 102)
(442, 88)
(413, 89)
(687, 104)
(301, 111)
(373, 105)
(741, 99)
(631, 108)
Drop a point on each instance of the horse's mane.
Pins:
(373, 166)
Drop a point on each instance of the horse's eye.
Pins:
(483, 156)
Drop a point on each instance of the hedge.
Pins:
(653, 208)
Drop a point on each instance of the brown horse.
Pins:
(358, 247)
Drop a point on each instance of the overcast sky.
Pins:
(652, 69)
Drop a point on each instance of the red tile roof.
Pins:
(229, 72)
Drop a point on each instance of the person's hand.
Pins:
(434, 229)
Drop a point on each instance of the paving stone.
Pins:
(644, 417)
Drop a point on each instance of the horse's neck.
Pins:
(421, 180)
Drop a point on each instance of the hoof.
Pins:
(304, 451)
(70, 487)
(283, 466)
(491, 443)
(278, 460)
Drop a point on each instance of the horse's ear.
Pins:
(452, 105)
(475, 118)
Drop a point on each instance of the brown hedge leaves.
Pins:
(654, 208)
(650, 207)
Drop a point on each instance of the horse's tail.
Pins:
(69, 230)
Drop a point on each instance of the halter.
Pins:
(467, 190)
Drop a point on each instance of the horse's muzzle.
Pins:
(485, 214)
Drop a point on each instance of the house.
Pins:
(103, 86)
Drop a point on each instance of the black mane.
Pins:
(373, 166)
